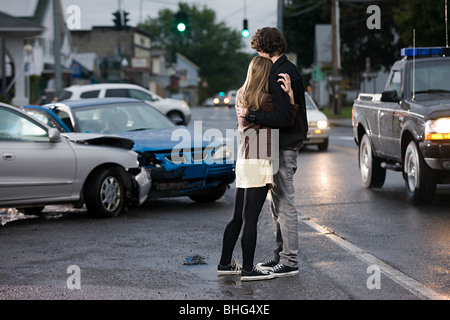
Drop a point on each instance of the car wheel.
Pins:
(176, 117)
(212, 195)
(420, 179)
(372, 174)
(104, 193)
(323, 146)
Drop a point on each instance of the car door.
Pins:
(388, 141)
(31, 166)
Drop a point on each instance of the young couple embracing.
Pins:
(270, 107)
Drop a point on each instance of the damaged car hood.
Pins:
(99, 139)
(168, 139)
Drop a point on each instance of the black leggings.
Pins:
(247, 207)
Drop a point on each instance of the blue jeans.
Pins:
(283, 209)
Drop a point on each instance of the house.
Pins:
(124, 55)
(187, 73)
(27, 49)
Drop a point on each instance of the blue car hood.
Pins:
(168, 139)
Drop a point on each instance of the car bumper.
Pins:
(144, 183)
(187, 180)
(436, 154)
(316, 135)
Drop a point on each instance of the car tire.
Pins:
(212, 195)
(104, 193)
(176, 117)
(323, 146)
(420, 179)
(372, 174)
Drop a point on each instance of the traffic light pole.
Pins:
(280, 15)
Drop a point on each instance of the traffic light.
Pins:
(125, 19)
(120, 19)
(181, 22)
(117, 20)
(245, 32)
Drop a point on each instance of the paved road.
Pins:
(354, 243)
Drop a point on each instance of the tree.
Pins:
(214, 47)
(426, 17)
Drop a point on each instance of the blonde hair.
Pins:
(257, 81)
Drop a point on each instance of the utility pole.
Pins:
(335, 78)
(57, 50)
(280, 15)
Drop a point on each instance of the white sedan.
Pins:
(318, 125)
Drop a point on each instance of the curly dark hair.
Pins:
(270, 41)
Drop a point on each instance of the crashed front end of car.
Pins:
(193, 168)
(138, 181)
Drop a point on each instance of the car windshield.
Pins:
(309, 103)
(114, 118)
(431, 79)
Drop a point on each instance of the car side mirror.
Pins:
(390, 96)
(54, 135)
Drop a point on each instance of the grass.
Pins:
(346, 112)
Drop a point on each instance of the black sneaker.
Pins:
(280, 270)
(256, 274)
(232, 268)
(267, 265)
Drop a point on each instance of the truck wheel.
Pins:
(420, 179)
(372, 174)
(104, 193)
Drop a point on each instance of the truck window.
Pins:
(396, 82)
(432, 77)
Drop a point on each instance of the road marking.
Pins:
(408, 283)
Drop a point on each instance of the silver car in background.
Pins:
(40, 166)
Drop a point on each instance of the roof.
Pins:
(95, 102)
(18, 27)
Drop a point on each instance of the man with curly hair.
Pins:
(270, 43)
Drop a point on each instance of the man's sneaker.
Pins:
(256, 274)
(267, 265)
(232, 268)
(280, 270)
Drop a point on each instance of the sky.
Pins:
(260, 13)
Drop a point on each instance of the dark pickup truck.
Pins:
(407, 127)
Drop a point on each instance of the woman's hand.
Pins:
(286, 85)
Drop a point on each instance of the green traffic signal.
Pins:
(181, 27)
(245, 33)
(181, 22)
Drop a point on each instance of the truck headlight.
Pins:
(438, 129)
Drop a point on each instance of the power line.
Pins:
(299, 13)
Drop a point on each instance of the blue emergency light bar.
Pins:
(425, 52)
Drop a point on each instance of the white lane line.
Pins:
(408, 283)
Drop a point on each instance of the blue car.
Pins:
(181, 162)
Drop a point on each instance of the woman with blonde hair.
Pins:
(254, 170)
